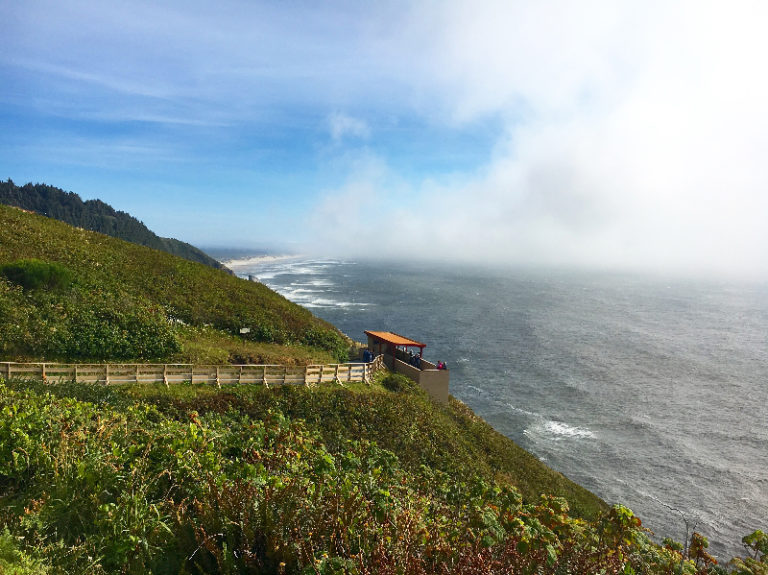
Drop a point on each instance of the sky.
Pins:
(599, 134)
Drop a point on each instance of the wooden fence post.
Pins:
(136, 376)
(240, 376)
(165, 374)
(106, 374)
(218, 383)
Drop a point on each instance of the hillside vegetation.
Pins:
(73, 295)
(135, 480)
(192, 480)
(96, 216)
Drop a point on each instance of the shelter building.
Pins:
(397, 354)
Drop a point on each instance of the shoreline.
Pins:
(256, 260)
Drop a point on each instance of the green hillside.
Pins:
(122, 301)
(358, 480)
(450, 439)
(96, 216)
(192, 480)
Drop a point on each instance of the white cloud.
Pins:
(636, 134)
(343, 126)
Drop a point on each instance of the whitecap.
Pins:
(521, 410)
(561, 429)
(267, 276)
(305, 270)
(325, 302)
(314, 283)
(557, 431)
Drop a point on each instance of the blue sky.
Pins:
(599, 134)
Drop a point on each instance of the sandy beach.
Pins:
(236, 264)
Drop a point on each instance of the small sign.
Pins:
(245, 330)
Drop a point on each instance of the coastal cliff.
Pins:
(361, 478)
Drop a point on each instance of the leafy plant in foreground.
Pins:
(121, 487)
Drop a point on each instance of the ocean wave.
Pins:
(257, 261)
(314, 283)
(521, 410)
(271, 267)
(558, 431)
(325, 302)
(565, 430)
(301, 291)
(326, 262)
(300, 269)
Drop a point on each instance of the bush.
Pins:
(133, 332)
(397, 382)
(328, 340)
(15, 562)
(34, 274)
(118, 488)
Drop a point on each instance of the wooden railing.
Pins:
(107, 374)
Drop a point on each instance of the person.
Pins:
(440, 365)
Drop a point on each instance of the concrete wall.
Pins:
(434, 381)
(407, 370)
(427, 364)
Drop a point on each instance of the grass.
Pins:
(206, 345)
(125, 301)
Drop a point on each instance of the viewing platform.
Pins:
(399, 357)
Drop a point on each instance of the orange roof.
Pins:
(394, 339)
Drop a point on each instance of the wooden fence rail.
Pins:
(109, 374)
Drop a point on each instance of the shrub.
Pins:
(15, 562)
(34, 274)
(397, 382)
(108, 488)
(328, 340)
(112, 333)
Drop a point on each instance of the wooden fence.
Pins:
(107, 374)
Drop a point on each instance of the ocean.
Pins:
(648, 392)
